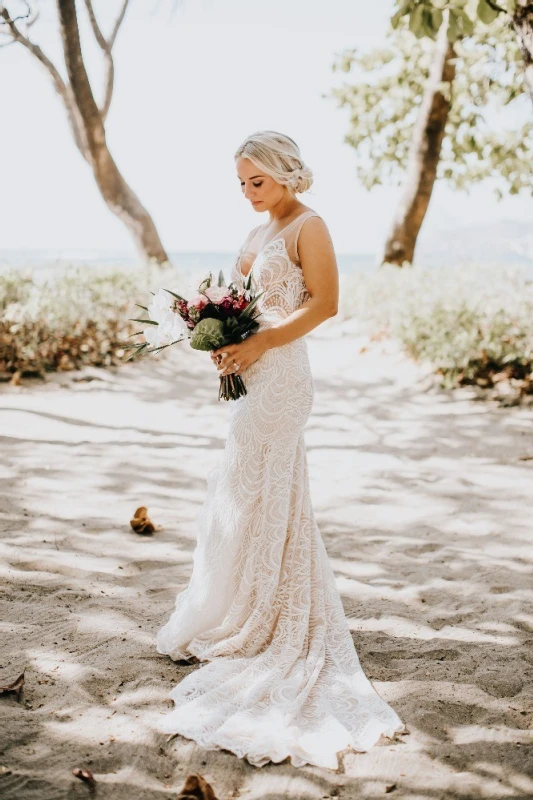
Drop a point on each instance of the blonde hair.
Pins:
(279, 156)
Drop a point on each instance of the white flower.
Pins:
(161, 304)
(170, 328)
(150, 334)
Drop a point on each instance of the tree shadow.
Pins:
(425, 520)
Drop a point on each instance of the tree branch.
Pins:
(106, 45)
(496, 7)
(118, 23)
(34, 49)
(98, 35)
(62, 88)
(109, 85)
(91, 120)
(28, 16)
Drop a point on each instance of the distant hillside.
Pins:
(506, 242)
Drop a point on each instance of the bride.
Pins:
(282, 678)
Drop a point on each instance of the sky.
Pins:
(193, 79)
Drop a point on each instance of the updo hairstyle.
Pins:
(279, 156)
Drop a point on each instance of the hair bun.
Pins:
(300, 179)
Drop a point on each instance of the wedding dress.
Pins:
(283, 678)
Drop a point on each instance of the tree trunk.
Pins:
(424, 154)
(522, 22)
(121, 200)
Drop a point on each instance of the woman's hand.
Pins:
(235, 358)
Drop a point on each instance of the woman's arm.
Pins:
(319, 267)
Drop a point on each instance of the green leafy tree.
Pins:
(425, 18)
(419, 112)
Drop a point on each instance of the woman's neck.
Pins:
(285, 208)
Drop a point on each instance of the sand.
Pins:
(424, 499)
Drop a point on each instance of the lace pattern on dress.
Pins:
(283, 679)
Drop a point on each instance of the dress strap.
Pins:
(292, 232)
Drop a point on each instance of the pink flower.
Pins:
(198, 302)
(217, 293)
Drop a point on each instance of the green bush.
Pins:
(71, 317)
(473, 323)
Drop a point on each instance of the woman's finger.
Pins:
(227, 361)
(229, 367)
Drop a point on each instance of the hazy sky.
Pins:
(190, 86)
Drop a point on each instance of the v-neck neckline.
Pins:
(277, 236)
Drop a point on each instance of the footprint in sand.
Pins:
(498, 684)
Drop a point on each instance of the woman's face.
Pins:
(260, 189)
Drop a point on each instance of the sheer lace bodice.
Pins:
(262, 606)
(276, 270)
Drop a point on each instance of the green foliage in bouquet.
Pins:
(208, 335)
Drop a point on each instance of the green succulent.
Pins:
(208, 334)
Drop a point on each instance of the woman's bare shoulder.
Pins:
(314, 226)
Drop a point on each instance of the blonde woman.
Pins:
(282, 678)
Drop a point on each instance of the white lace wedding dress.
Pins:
(262, 608)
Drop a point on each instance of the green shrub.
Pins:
(74, 316)
(473, 323)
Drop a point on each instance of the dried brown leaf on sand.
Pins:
(196, 788)
(141, 523)
(87, 777)
(15, 687)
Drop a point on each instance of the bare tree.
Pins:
(86, 118)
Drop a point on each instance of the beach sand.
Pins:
(424, 499)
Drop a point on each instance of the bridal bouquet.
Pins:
(216, 316)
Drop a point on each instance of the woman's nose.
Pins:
(248, 191)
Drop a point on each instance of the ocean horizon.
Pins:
(188, 261)
(193, 262)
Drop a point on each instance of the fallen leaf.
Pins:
(87, 777)
(140, 522)
(390, 788)
(15, 687)
(196, 788)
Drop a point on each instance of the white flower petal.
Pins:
(151, 334)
